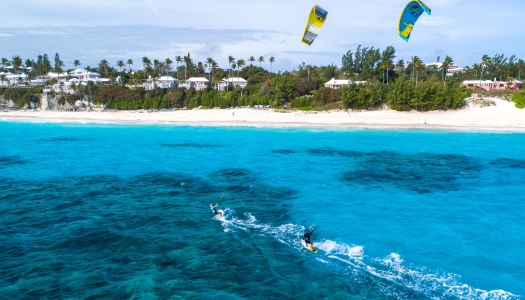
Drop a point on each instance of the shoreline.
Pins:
(502, 117)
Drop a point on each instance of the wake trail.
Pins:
(391, 275)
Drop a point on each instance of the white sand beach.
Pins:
(500, 115)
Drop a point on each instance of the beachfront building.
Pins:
(68, 87)
(20, 69)
(14, 79)
(339, 83)
(60, 77)
(198, 83)
(39, 81)
(233, 82)
(163, 82)
(89, 76)
(451, 69)
(493, 85)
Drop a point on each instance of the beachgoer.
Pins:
(307, 235)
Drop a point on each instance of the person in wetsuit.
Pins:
(307, 234)
(214, 209)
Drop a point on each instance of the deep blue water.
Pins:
(119, 211)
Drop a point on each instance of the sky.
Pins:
(130, 29)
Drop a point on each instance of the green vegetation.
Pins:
(519, 99)
(402, 86)
(21, 97)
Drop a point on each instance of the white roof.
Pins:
(53, 74)
(167, 78)
(16, 76)
(436, 64)
(476, 81)
(234, 79)
(73, 80)
(339, 81)
(197, 79)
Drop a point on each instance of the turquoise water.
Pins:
(121, 211)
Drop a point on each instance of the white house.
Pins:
(339, 83)
(451, 69)
(89, 76)
(493, 85)
(39, 81)
(62, 77)
(14, 79)
(85, 76)
(164, 82)
(232, 81)
(198, 83)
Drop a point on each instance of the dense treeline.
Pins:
(21, 97)
(401, 85)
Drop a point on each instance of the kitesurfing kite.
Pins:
(314, 24)
(409, 16)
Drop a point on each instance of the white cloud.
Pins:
(118, 29)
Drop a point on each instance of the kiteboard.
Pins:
(309, 247)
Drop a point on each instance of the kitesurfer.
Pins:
(307, 234)
(214, 209)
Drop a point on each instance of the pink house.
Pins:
(492, 85)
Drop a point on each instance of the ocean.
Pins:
(91, 211)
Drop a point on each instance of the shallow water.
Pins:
(93, 211)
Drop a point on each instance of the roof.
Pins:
(53, 74)
(197, 79)
(476, 81)
(234, 79)
(339, 81)
(77, 71)
(167, 78)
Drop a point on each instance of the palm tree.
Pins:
(214, 66)
(387, 66)
(168, 63)
(476, 69)
(240, 64)
(260, 60)
(146, 63)
(120, 64)
(200, 66)
(520, 64)
(17, 62)
(413, 65)
(76, 63)
(129, 63)
(188, 61)
(104, 66)
(209, 63)
(419, 67)
(231, 60)
(233, 65)
(178, 59)
(446, 63)
(251, 60)
(400, 65)
(484, 60)
(272, 60)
